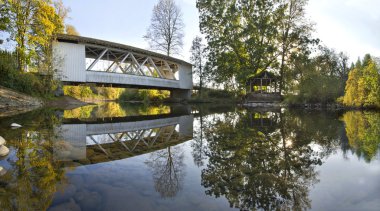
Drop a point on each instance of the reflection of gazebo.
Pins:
(263, 121)
(263, 82)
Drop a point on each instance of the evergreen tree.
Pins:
(363, 84)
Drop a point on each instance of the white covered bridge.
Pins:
(83, 60)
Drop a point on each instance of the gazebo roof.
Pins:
(263, 74)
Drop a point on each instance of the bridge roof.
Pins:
(89, 40)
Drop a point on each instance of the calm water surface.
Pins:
(133, 157)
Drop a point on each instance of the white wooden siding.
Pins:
(70, 61)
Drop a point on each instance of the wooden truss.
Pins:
(131, 140)
(120, 61)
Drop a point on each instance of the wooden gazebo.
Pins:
(263, 82)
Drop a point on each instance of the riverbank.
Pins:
(13, 102)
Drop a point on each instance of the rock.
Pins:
(3, 171)
(4, 151)
(15, 125)
(2, 141)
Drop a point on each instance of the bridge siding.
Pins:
(71, 61)
(119, 79)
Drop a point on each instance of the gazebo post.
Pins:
(270, 88)
(275, 86)
(261, 85)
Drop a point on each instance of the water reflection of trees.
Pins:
(363, 133)
(114, 109)
(199, 143)
(168, 170)
(254, 170)
(32, 175)
(266, 160)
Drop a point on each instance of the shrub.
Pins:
(144, 95)
(28, 83)
(219, 94)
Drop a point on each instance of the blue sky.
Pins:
(351, 26)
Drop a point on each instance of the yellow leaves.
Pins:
(362, 130)
(363, 86)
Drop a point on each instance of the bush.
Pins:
(221, 94)
(131, 95)
(320, 89)
(80, 92)
(30, 83)
(11, 77)
(144, 95)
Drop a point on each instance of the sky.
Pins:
(351, 26)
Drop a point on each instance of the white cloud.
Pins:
(351, 26)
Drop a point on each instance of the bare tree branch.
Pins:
(166, 30)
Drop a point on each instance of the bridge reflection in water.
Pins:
(109, 139)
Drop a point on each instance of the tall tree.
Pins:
(294, 30)
(4, 17)
(198, 59)
(241, 35)
(166, 30)
(32, 26)
(63, 12)
(71, 30)
(363, 84)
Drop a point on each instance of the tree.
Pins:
(317, 79)
(363, 84)
(294, 31)
(63, 12)
(166, 30)
(4, 17)
(32, 26)
(241, 35)
(71, 30)
(198, 58)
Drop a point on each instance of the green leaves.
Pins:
(245, 36)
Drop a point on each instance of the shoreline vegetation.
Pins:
(310, 75)
(361, 91)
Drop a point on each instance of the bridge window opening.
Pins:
(124, 62)
(135, 141)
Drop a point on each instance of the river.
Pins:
(213, 157)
